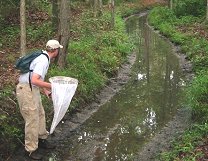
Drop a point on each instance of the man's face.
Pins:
(56, 52)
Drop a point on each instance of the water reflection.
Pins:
(122, 126)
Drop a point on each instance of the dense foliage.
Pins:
(91, 63)
(190, 7)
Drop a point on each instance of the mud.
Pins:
(115, 85)
(159, 143)
(72, 122)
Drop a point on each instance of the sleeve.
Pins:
(41, 67)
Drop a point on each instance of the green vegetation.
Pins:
(197, 93)
(93, 64)
(190, 7)
(184, 26)
(185, 150)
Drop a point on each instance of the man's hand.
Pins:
(47, 93)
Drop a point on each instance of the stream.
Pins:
(119, 129)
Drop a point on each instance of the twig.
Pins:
(8, 158)
(4, 111)
(12, 101)
(110, 88)
(12, 3)
(20, 141)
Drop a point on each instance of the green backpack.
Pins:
(23, 63)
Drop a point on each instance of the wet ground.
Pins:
(69, 130)
(71, 124)
(140, 112)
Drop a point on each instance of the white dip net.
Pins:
(63, 89)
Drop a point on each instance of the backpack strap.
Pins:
(46, 56)
(30, 79)
(32, 71)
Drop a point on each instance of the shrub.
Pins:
(161, 14)
(190, 7)
(197, 96)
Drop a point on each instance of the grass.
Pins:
(185, 147)
(93, 64)
(197, 94)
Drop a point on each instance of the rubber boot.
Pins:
(34, 155)
(43, 143)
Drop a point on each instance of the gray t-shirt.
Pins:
(39, 66)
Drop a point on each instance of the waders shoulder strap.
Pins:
(32, 71)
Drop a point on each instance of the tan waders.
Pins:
(34, 115)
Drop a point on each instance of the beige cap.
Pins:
(54, 44)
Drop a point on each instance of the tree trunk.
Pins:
(100, 12)
(112, 7)
(22, 28)
(207, 12)
(55, 11)
(63, 32)
(171, 4)
(95, 8)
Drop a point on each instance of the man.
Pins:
(30, 104)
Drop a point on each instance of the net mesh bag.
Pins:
(63, 89)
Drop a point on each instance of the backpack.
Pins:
(23, 63)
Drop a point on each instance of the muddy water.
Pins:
(119, 129)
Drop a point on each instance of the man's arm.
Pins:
(38, 82)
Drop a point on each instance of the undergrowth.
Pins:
(185, 147)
